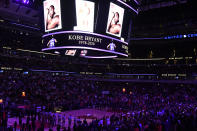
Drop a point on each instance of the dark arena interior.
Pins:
(98, 65)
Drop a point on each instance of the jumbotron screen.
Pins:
(88, 28)
(52, 15)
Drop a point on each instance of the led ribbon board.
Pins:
(180, 36)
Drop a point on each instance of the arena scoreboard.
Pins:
(88, 28)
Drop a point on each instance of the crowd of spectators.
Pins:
(164, 107)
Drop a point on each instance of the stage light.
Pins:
(123, 90)
(23, 94)
(26, 1)
(1, 101)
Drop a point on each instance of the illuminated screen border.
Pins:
(82, 47)
(100, 57)
(136, 11)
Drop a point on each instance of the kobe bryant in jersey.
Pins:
(111, 46)
(51, 42)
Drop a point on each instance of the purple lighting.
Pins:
(26, 1)
(26, 26)
(137, 2)
(100, 57)
(128, 6)
(88, 48)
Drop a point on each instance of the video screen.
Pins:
(70, 52)
(83, 52)
(52, 15)
(115, 20)
(85, 15)
(51, 43)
